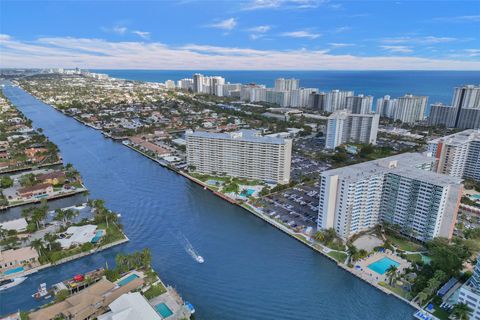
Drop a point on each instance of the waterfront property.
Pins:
(88, 303)
(197, 290)
(382, 265)
(374, 267)
(358, 197)
(244, 154)
(131, 305)
(16, 260)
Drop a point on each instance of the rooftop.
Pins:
(130, 306)
(242, 135)
(460, 137)
(405, 164)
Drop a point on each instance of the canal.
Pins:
(251, 269)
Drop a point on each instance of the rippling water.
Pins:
(251, 269)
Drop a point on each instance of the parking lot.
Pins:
(296, 207)
(302, 166)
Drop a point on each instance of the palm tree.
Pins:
(60, 215)
(461, 311)
(70, 214)
(352, 252)
(391, 273)
(422, 297)
(37, 244)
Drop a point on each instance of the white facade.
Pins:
(466, 97)
(359, 104)
(282, 84)
(244, 154)
(458, 155)
(470, 293)
(336, 100)
(399, 190)
(410, 108)
(344, 127)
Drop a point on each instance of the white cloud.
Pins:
(340, 45)
(142, 34)
(86, 53)
(301, 34)
(227, 24)
(342, 29)
(282, 4)
(119, 29)
(397, 49)
(472, 18)
(4, 36)
(420, 40)
(260, 29)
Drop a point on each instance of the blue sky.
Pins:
(250, 34)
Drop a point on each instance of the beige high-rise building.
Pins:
(244, 154)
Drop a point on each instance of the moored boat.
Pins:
(9, 283)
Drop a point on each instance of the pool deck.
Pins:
(174, 302)
(374, 276)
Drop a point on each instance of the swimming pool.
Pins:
(247, 192)
(381, 266)
(12, 271)
(163, 310)
(127, 280)
(97, 237)
(475, 196)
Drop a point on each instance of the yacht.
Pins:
(8, 283)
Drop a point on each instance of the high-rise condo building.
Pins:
(336, 100)
(317, 101)
(282, 84)
(458, 155)
(464, 113)
(410, 108)
(386, 107)
(399, 190)
(344, 127)
(360, 104)
(469, 293)
(244, 154)
(299, 97)
(197, 82)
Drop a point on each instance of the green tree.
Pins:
(391, 273)
(6, 182)
(37, 244)
(461, 311)
(62, 295)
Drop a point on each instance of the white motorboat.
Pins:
(9, 283)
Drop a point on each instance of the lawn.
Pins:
(416, 257)
(155, 291)
(339, 256)
(403, 243)
(440, 313)
(396, 290)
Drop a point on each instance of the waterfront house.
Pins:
(88, 303)
(19, 225)
(37, 191)
(131, 305)
(55, 177)
(78, 235)
(14, 258)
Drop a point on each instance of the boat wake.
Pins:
(189, 249)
